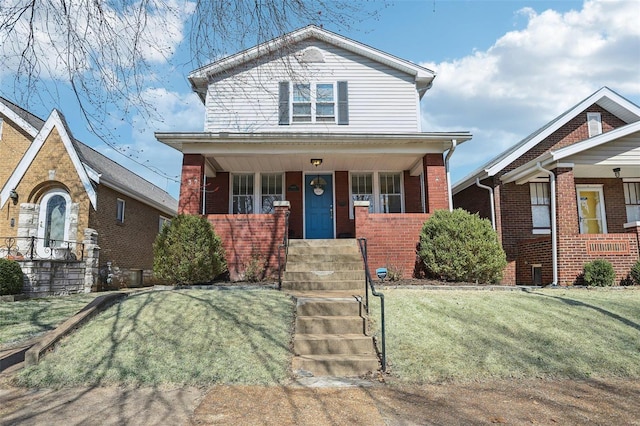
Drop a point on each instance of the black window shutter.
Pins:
(343, 103)
(283, 108)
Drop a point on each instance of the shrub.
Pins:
(459, 246)
(255, 269)
(635, 273)
(599, 273)
(11, 280)
(188, 251)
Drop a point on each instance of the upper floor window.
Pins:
(540, 205)
(313, 103)
(594, 123)
(632, 200)
(120, 210)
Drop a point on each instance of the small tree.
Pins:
(188, 251)
(599, 273)
(11, 280)
(459, 246)
(635, 273)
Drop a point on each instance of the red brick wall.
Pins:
(534, 251)
(412, 193)
(435, 182)
(573, 254)
(247, 236)
(474, 200)
(191, 184)
(129, 245)
(567, 203)
(294, 179)
(345, 227)
(216, 198)
(391, 239)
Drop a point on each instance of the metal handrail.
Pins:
(362, 243)
(284, 246)
(24, 248)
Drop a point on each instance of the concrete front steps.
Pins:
(327, 278)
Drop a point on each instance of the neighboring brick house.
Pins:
(314, 123)
(589, 157)
(43, 165)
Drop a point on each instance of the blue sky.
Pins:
(504, 68)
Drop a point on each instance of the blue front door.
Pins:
(318, 207)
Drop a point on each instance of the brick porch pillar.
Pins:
(436, 188)
(567, 204)
(191, 184)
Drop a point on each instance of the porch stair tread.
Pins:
(327, 279)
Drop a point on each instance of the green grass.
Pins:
(28, 318)
(436, 336)
(189, 337)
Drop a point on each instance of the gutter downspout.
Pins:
(554, 226)
(491, 201)
(454, 143)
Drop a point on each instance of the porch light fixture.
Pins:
(616, 172)
(14, 196)
(316, 161)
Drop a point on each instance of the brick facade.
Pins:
(514, 218)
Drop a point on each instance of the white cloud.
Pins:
(531, 75)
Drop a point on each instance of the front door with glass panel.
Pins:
(591, 210)
(318, 206)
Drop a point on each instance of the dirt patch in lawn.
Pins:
(610, 401)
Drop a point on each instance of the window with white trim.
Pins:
(271, 190)
(540, 205)
(242, 190)
(313, 102)
(632, 200)
(362, 189)
(390, 193)
(120, 210)
(594, 123)
(162, 222)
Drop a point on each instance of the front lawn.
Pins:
(435, 336)
(187, 337)
(27, 318)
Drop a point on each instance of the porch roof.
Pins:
(277, 152)
(594, 157)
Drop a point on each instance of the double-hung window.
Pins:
(313, 102)
(383, 190)
(540, 206)
(632, 200)
(256, 193)
(243, 193)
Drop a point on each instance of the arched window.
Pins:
(54, 221)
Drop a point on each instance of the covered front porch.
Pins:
(243, 181)
(590, 193)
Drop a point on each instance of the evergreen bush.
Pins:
(460, 246)
(599, 273)
(635, 273)
(188, 251)
(11, 280)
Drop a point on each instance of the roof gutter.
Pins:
(454, 143)
(554, 226)
(491, 201)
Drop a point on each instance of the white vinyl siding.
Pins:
(632, 201)
(380, 99)
(540, 205)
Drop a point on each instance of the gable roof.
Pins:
(624, 109)
(89, 163)
(530, 169)
(199, 78)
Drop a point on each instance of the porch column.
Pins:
(191, 184)
(567, 204)
(633, 228)
(436, 182)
